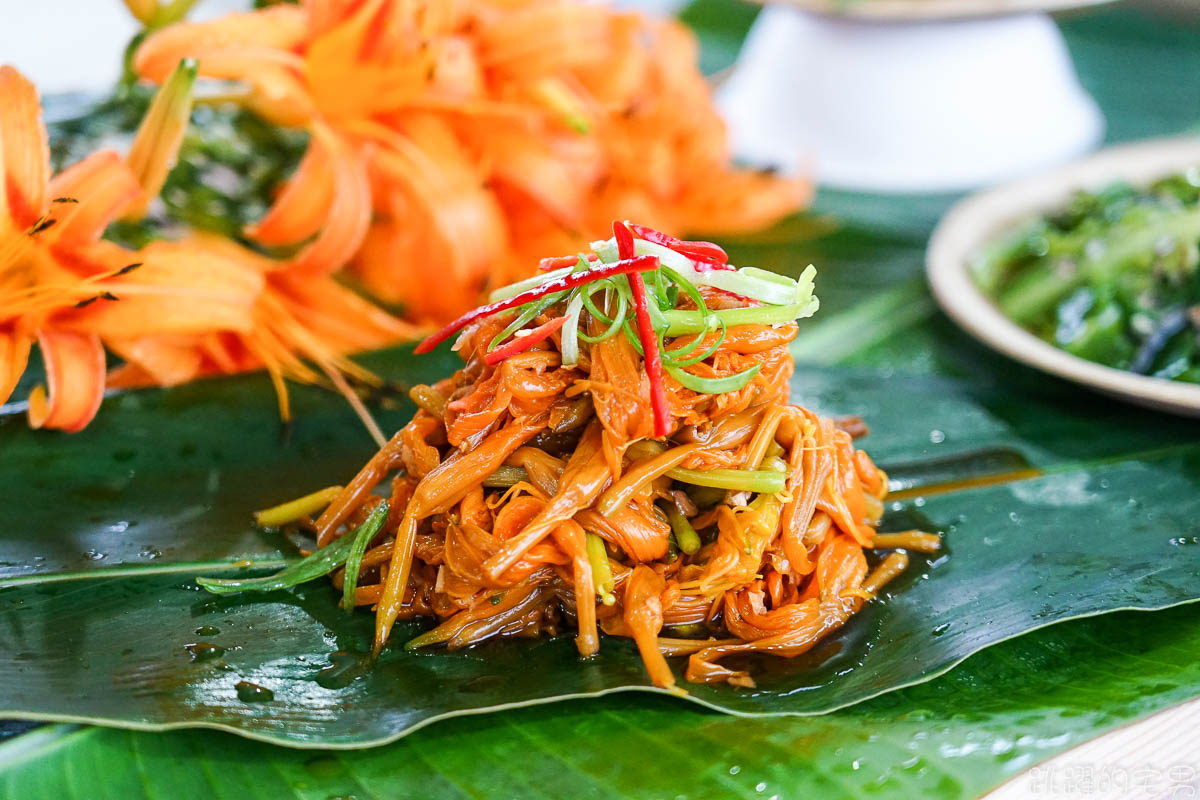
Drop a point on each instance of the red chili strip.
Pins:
(519, 343)
(654, 370)
(707, 253)
(622, 267)
(559, 262)
(624, 239)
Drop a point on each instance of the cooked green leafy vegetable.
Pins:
(1112, 276)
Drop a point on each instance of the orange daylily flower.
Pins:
(298, 327)
(172, 311)
(69, 292)
(488, 134)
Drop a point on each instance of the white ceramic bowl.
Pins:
(979, 219)
(898, 106)
(935, 9)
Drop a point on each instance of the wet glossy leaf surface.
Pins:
(1024, 500)
(1112, 522)
(1001, 711)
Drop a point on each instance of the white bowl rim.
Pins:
(979, 218)
(916, 10)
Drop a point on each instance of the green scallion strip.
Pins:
(602, 577)
(658, 286)
(358, 548)
(632, 337)
(614, 324)
(658, 322)
(685, 535)
(682, 357)
(681, 322)
(730, 383)
(592, 308)
(738, 480)
(322, 562)
(757, 284)
(505, 477)
(688, 288)
(570, 329)
(525, 317)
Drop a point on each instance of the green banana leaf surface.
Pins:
(109, 625)
(1000, 712)
(1055, 504)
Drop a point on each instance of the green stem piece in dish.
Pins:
(680, 322)
(320, 562)
(685, 535)
(730, 383)
(602, 577)
(736, 480)
(506, 476)
(360, 539)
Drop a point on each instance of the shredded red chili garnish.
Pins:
(559, 262)
(654, 371)
(521, 343)
(708, 255)
(623, 267)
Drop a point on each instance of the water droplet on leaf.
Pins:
(204, 651)
(253, 693)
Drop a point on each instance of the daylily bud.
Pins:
(144, 10)
(154, 14)
(156, 145)
(171, 11)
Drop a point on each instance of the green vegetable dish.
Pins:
(1112, 276)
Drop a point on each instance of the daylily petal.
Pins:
(179, 289)
(303, 205)
(228, 248)
(382, 262)
(349, 212)
(280, 27)
(14, 356)
(435, 171)
(259, 48)
(338, 317)
(457, 75)
(26, 154)
(367, 64)
(103, 185)
(326, 14)
(160, 361)
(740, 201)
(546, 38)
(75, 379)
(559, 176)
(277, 92)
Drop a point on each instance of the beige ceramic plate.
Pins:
(897, 10)
(977, 220)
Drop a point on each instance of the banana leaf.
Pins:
(1050, 512)
(97, 548)
(1000, 712)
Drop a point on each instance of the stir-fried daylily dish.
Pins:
(617, 454)
(369, 366)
